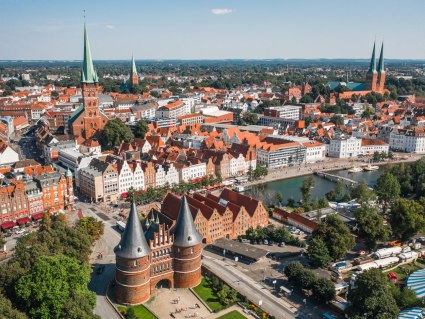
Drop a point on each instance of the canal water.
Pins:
(290, 188)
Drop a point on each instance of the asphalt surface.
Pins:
(105, 246)
(250, 288)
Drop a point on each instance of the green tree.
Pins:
(388, 189)
(372, 298)
(323, 290)
(91, 226)
(279, 198)
(249, 118)
(115, 132)
(290, 202)
(406, 218)
(306, 187)
(50, 283)
(141, 129)
(130, 314)
(339, 189)
(337, 120)
(371, 226)
(8, 311)
(79, 307)
(336, 235)
(363, 193)
(318, 253)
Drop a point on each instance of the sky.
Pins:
(211, 29)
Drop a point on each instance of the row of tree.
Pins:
(115, 132)
(275, 234)
(322, 289)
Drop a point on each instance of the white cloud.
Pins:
(222, 11)
(110, 26)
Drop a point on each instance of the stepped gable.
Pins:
(133, 243)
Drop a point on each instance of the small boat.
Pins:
(355, 170)
(371, 167)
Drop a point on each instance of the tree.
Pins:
(388, 189)
(306, 187)
(363, 193)
(249, 118)
(115, 132)
(227, 295)
(323, 290)
(299, 276)
(50, 283)
(372, 298)
(318, 253)
(91, 226)
(337, 120)
(141, 129)
(306, 99)
(130, 314)
(336, 236)
(406, 218)
(339, 189)
(279, 198)
(8, 311)
(371, 226)
(78, 307)
(290, 202)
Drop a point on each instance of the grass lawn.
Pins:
(140, 311)
(233, 315)
(404, 271)
(204, 291)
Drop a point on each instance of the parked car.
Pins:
(265, 242)
(281, 244)
(20, 231)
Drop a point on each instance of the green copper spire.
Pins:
(88, 74)
(133, 66)
(68, 173)
(372, 67)
(147, 224)
(381, 67)
(157, 219)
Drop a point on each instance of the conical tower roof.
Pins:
(133, 66)
(185, 232)
(372, 66)
(133, 243)
(68, 173)
(88, 74)
(381, 66)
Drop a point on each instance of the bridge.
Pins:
(336, 178)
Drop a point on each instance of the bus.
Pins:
(120, 225)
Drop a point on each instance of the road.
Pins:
(105, 246)
(250, 288)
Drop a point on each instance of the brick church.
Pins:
(158, 256)
(375, 77)
(87, 121)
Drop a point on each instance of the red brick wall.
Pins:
(187, 266)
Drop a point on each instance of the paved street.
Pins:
(105, 246)
(250, 288)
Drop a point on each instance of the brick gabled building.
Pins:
(228, 216)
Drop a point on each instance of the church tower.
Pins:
(134, 77)
(133, 263)
(187, 249)
(381, 71)
(372, 75)
(88, 120)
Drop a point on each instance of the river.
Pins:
(290, 188)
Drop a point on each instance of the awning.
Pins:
(37, 216)
(23, 220)
(7, 225)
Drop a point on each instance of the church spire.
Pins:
(88, 74)
(381, 67)
(133, 66)
(372, 67)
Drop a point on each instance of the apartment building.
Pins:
(344, 146)
(171, 110)
(293, 112)
(277, 152)
(409, 141)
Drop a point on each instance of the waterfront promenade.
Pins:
(329, 164)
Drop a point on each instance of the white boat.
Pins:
(355, 170)
(371, 168)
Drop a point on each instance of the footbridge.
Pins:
(336, 178)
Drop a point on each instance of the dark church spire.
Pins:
(372, 67)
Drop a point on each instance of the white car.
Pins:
(20, 231)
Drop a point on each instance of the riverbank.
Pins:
(330, 164)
